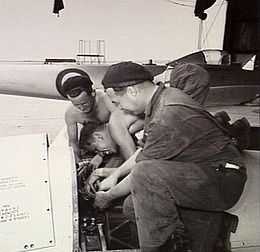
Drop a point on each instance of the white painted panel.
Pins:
(38, 186)
(63, 183)
(25, 206)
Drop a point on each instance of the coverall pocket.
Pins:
(231, 185)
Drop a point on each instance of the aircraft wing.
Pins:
(45, 80)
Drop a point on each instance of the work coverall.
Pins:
(181, 165)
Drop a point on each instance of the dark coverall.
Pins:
(178, 167)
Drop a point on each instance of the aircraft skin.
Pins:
(39, 80)
(36, 195)
(44, 80)
(42, 213)
(38, 185)
(47, 205)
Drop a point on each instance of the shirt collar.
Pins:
(154, 99)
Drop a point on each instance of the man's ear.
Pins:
(132, 91)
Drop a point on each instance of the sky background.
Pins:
(132, 29)
(136, 30)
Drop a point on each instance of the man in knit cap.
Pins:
(187, 161)
(192, 80)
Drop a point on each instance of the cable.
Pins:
(205, 41)
(180, 4)
(186, 3)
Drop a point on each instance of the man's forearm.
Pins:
(124, 140)
(127, 166)
(103, 199)
(121, 189)
(118, 127)
(104, 172)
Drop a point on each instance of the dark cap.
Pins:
(125, 74)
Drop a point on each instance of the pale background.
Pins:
(132, 29)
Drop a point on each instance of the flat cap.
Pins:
(125, 74)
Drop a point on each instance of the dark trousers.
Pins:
(159, 188)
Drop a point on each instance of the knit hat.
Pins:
(125, 74)
(192, 79)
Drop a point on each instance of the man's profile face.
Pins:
(103, 141)
(100, 140)
(128, 99)
(83, 102)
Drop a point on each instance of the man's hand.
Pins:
(108, 183)
(102, 200)
(92, 184)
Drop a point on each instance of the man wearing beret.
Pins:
(187, 160)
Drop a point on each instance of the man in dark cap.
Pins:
(94, 106)
(187, 160)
